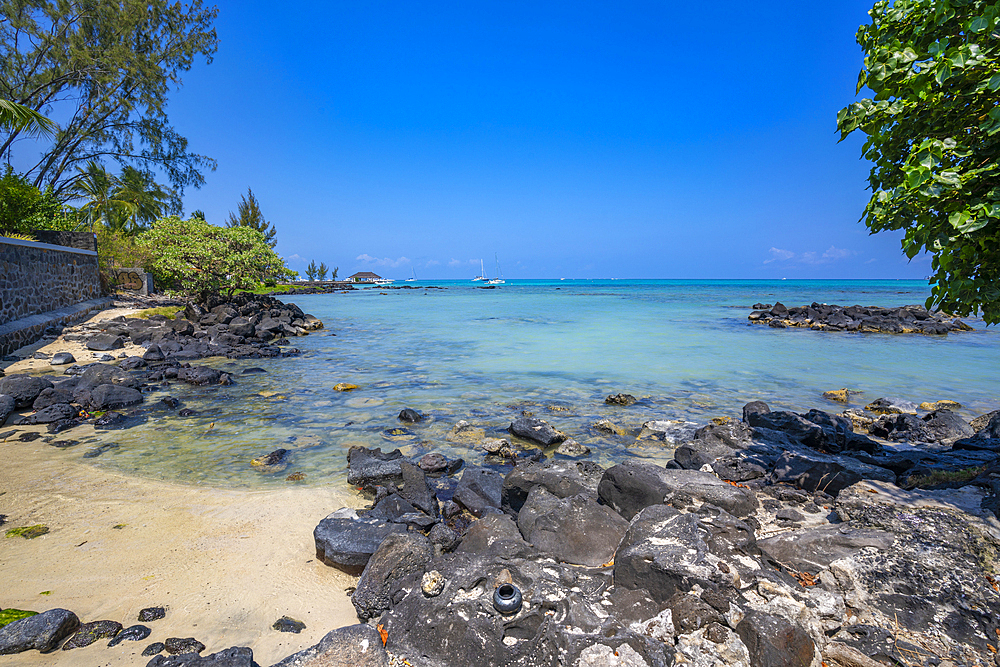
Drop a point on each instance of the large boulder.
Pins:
(773, 640)
(346, 541)
(560, 478)
(575, 530)
(351, 646)
(105, 342)
(935, 578)
(630, 487)
(52, 396)
(368, 468)
(112, 397)
(199, 375)
(41, 632)
(98, 374)
(24, 389)
(536, 430)
(495, 535)
(667, 552)
(399, 555)
(52, 413)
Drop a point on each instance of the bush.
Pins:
(117, 250)
(203, 260)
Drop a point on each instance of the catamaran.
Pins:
(499, 279)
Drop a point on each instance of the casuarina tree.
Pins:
(248, 215)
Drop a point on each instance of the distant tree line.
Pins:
(314, 272)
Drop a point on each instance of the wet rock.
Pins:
(838, 395)
(772, 640)
(621, 399)
(608, 427)
(133, 633)
(62, 358)
(981, 422)
(110, 420)
(91, 632)
(186, 412)
(754, 408)
(237, 656)
(390, 508)
(370, 467)
(113, 397)
(179, 645)
(536, 430)
(673, 431)
(409, 415)
(170, 402)
(151, 614)
(51, 396)
(398, 556)
(572, 449)
(344, 386)
(288, 624)
(41, 632)
(346, 541)
(435, 462)
(574, 529)
(276, 457)
(666, 552)
(53, 413)
(940, 405)
(351, 646)
(499, 447)
(105, 342)
(94, 452)
(630, 487)
(99, 374)
(23, 389)
(200, 375)
(253, 371)
(560, 478)
(479, 490)
(891, 406)
(153, 649)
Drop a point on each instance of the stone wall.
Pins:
(39, 277)
(78, 240)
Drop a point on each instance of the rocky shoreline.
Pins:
(865, 538)
(861, 319)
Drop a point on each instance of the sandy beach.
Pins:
(225, 563)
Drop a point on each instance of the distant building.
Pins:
(365, 277)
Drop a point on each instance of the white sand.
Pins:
(226, 564)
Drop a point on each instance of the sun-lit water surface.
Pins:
(552, 348)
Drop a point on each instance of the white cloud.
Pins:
(295, 259)
(833, 253)
(777, 254)
(384, 261)
(432, 262)
(454, 262)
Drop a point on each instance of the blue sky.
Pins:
(576, 139)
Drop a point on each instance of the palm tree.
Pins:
(98, 187)
(144, 199)
(16, 117)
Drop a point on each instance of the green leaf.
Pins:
(978, 24)
(994, 83)
(943, 73)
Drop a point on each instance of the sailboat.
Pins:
(482, 273)
(499, 279)
(414, 278)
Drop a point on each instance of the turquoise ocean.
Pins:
(553, 348)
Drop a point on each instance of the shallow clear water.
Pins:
(552, 348)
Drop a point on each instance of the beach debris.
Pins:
(151, 614)
(133, 633)
(621, 399)
(178, 645)
(344, 386)
(274, 458)
(288, 624)
(507, 598)
(28, 532)
(91, 632)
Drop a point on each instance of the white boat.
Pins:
(482, 273)
(499, 279)
(414, 278)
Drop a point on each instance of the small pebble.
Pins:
(152, 614)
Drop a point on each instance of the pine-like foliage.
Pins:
(248, 215)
